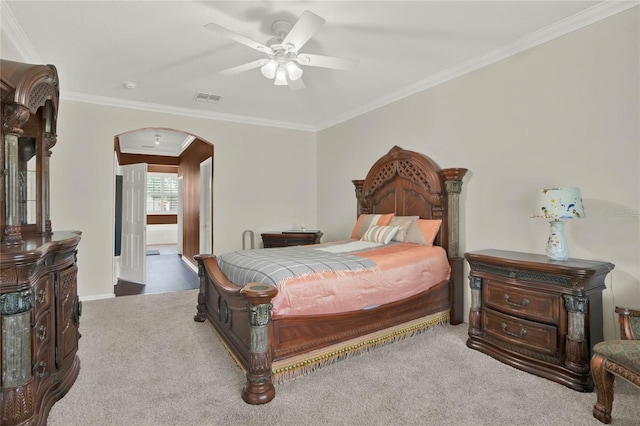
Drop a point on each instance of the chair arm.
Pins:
(629, 320)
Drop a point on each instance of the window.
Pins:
(162, 193)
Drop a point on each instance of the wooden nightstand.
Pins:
(290, 238)
(536, 314)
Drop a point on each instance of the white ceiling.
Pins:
(402, 48)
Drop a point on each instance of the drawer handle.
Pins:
(42, 333)
(521, 334)
(40, 298)
(524, 303)
(41, 369)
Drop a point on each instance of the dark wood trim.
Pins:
(162, 168)
(162, 219)
(189, 169)
(126, 158)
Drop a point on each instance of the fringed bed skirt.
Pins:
(301, 365)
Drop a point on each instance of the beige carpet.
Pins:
(144, 361)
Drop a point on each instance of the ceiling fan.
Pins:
(283, 51)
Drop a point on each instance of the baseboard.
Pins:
(189, 264)
(97, 297)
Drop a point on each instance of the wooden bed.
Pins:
(402, 182)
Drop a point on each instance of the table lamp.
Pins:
(559, 204)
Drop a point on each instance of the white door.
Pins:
(134, 223)
(205, 206)
(180, 213)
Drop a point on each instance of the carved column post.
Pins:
(44, 219)
(358, 184)
(452, 179)
(200, 315)
(452, 187)
(18, 388)
(476, 305)
(576, 345)
(259, 387)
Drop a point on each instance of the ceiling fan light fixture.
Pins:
(269, 69)
(294, 72)
(281, 76)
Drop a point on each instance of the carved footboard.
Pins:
(242, 318)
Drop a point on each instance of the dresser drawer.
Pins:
(42, 293)
(43, 366)
(520, 332)
(43, 330)
(524, 303)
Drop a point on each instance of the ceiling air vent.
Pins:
(205, 97)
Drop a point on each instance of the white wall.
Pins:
(162, 234)
(264, 179)
(562, 114)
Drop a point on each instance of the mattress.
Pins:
(374, 274)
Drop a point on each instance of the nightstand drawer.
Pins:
(525, 303)
(290, 238)
(520, 332)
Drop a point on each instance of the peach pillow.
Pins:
(423, 231)
(366, 221)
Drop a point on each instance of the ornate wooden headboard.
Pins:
(408, 183)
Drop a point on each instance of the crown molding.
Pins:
(587, 17)
(143, 106)
(13, 30)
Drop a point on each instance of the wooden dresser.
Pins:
(40, 312)
(290, 238)
(39, 306)
(536, 314)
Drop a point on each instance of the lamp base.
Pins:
(557, 248)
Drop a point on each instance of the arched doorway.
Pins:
(154, 155)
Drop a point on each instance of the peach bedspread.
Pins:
(403, 270)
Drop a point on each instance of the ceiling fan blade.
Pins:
(296, 84)
(244, 67)
(238, 37)
(312, 60)
(308, 24)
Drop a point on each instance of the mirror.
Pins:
(27, 180)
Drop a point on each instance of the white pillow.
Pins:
(380, 234)
(403, 223)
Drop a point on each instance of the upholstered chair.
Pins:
(616, 357)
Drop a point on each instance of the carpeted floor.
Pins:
(144, 361)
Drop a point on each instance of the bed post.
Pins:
(200, 315)
(452, 181)
(359, 183)
(259, 387)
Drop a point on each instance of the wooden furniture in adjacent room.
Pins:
(290, 238)
(536, 314)
(39, 306)
(616, 358)
(402, 182)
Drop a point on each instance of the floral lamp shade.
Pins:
(558, 204)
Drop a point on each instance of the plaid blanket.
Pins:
(276, 265)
